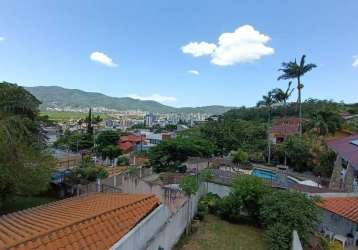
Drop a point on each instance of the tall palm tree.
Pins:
(268, 101)
(293, 70)
(282, 97)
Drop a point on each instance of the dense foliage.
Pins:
(279, 212)
(25, 167)
(169, 154)
(86, 172)
(290, 210)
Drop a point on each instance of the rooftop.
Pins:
(344, 206)
(96, 221)
(285, 127)
(346, 148)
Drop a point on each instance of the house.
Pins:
(96, 221)
(345, 171)
(156, 138)
(340, 217)
(281, 128)
(131, 143)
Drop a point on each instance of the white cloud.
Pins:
(102, 58)
(244, 45)
(193, 72)
(198, 49)
(2, 38)
(355, 61)
(154, 97)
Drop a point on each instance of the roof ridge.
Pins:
(43, 233)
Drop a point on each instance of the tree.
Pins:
(287, 211)
(240, 157)
(293, 70)
(25, 166)
(298, 153)
(105, 138)
(87, 172)
(189, 186)
(89, 123)
(169, 154)
(268, 101)
(111, 152)
(282, 97)
(249, 190)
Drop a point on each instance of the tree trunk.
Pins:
(300, 105)
(268, 138)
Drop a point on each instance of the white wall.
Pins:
(336, 223)
(296, 243)
(161, 228)
(218, 189)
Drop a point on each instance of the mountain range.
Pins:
(58, 98)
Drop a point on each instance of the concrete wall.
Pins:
(218, 189)
(296, 243)
(161, 228)
(336, 224)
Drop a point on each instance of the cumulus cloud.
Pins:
(193, 72)
(102, 58)
(244, 45)
(198, 49)
(355, 61)
(154, 97)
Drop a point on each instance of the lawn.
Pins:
(23, 202)
(60, 116)
(214, 233)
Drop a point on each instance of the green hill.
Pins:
(55, 97)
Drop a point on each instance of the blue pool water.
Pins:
(264, 174)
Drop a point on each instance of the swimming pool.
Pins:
(264, 174)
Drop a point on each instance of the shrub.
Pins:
(123, 161)
(293, 209)
(278, 236)
(249, 190)
(229, 208)
(210, 201)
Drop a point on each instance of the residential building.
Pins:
(131, 143)
(340, 218)
(345, 171)
(149, 119)
(95, 221)
(281, 128)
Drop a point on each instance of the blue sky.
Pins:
(139, 47)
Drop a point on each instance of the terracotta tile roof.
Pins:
(132, 138)
(126, 146)
(345, 148)
(344, 206)
(96, 221)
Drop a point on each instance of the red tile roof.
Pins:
(344, 206)
(126, 147)
(345, 148)
(96, 221)
(132, 138)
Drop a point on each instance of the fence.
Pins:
(161, 229)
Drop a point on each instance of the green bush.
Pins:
(123, 161)
(278, 236)
(229, 208)
(210, 201)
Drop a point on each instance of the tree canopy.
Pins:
(25, 166)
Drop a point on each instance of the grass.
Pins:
(61, 116)
(22, 202)
(214, 233)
